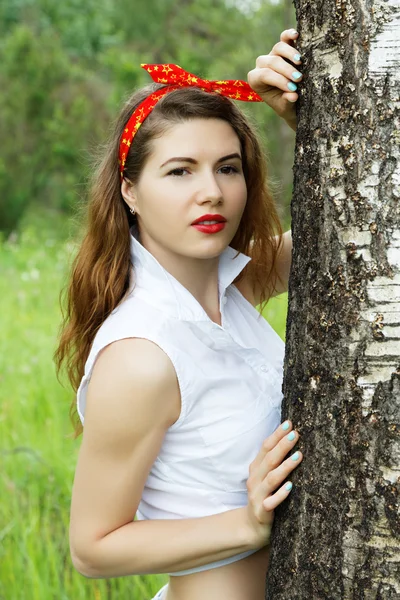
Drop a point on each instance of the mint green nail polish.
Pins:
(297, 57)
(292, 86)
(295, 456)
(296, 75)
(289, 486)
(291, 436)
(285, 426)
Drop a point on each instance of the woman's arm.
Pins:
(168, 545)
(133, 397)
(283, 263)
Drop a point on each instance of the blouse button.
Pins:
(264, 368)
(224, 300)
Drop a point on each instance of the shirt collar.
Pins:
(158, 287)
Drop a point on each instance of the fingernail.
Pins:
(297, 57)
(291, 436)
(289, 486)
(295, 456)
(285, 425)
(294, 31)
(292, 86)
(296, 75)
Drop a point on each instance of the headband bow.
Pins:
(175, 77)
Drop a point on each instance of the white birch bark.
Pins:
(339, 535)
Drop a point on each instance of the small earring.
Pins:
(132, 210)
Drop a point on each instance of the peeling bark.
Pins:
(338, 534)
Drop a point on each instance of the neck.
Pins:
(198, 275)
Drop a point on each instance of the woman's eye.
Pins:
(177, 172)
(230, 169)
(226, 170)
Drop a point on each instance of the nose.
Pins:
(209, 190)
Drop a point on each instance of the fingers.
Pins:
(276, 477)
(271, 442)
(289, 35)
(274, 500)
(284, 50)
(273, 72)
(270, 469)
(276, 72)
(290, 96)
(276, 455)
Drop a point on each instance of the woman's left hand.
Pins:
(273, 77)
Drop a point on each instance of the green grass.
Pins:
(37, 456)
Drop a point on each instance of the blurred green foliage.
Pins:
(67, 66)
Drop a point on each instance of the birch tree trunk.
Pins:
(338, 534)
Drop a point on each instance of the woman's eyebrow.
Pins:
(194, 162)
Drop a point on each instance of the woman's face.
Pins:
(195, 168)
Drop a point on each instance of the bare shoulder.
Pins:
(134, 371)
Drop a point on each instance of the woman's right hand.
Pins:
(268, 471)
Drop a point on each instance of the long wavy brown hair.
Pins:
(101, 270)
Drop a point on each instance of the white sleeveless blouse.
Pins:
(230, 380)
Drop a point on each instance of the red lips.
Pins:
(209, 217)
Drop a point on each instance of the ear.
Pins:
(128, 193)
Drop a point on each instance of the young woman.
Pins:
(178, 377)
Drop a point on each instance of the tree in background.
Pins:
(338, 536)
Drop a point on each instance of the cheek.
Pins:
(160, 206)
(155, 197)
